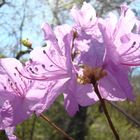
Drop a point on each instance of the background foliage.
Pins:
(23, 20)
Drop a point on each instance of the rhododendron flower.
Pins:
(54, 62)
(99, 51)
(89, 45)
(121, 48)
(120, 38)
(19, 97)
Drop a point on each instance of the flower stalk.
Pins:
(102, 101)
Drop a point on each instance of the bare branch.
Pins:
(129, 117)
(2, 2)
(21, 53)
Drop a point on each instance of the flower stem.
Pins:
(106, 111)
(56, 127)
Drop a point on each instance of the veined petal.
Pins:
(10, 78)
(87, 13)
(55, 88)
(18, 95)
(112, 85)
(70, 104)
(50, 37)
(125, 23)
(85, 95)
(49, 66)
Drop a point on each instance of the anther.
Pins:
(134, 43)
(91, 75)
(4, 87)
(43, 66)
(30, 69)
(36, 68)
(44, 51)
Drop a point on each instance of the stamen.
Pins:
(9, 80)
(30, 78)
(52, 60)
(127, 52)
(91, 75)
(31, 70)
(131, 57)
(14, 87)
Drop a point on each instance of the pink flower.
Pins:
(121, 52)
(122, 43)
(54, 63)
(91, 43)
(19, 97)
(103, 51)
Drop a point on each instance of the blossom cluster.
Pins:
(92, 50)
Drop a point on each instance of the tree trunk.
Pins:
(77, 126)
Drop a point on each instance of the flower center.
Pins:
(91, 75)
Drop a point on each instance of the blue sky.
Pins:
(11, 17)
(37, 12)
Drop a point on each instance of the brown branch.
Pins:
(21, 53)
(56, 127)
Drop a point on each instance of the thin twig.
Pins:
(132, 119)
(56, 127)
(21, 53)
(22, 24)
(2, 3)
(106, 111)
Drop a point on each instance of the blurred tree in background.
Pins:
(23, 19)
